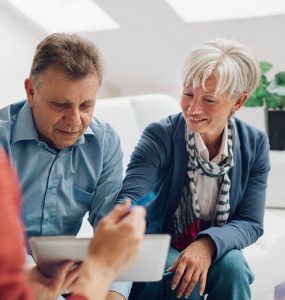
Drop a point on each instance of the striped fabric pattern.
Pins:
(207, 168)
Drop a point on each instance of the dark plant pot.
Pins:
(276, 129)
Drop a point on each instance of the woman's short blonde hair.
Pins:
(233, 65)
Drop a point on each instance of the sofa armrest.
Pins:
(275, 197)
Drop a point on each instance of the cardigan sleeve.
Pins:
(147, 164)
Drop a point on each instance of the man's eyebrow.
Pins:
(87, 101)
(67, 102)
(60, 100)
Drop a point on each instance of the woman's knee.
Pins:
(233, 265)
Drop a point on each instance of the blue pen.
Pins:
(145, 200)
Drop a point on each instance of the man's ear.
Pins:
(240, 101)
(29, 92)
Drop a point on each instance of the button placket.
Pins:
(49, 215)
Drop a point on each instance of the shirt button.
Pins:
(51, 219)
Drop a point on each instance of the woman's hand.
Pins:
(191, 265)
(47, 288)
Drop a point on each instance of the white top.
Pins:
(208, 187)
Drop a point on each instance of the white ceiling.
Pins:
(65, 15)
(146, 54)
(210, 10)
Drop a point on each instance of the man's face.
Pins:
(62, 107)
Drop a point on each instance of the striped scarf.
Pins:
(188, 210)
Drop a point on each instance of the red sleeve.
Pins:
(76, 297)
(12, 281)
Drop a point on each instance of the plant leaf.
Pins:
(265, 66)
(253, 101)
(275, 88)
(280, 78)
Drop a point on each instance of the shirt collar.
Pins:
(25, 128)
(203, 151)
(88, 136)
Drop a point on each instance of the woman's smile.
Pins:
(196, 120)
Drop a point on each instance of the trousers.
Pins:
(228, 278)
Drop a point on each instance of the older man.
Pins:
(68, 162)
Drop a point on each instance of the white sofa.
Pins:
(130, 115)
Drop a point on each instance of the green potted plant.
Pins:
(271, 94)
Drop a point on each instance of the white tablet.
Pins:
(49, 252)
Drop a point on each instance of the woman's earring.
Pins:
(231, 114)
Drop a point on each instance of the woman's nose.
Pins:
(195, 106)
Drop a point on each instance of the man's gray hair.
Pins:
(233, 65)
(70, 53)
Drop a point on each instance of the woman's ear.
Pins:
(240, 101)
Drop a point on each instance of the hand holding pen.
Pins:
(145, 200)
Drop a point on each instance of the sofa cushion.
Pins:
(265, 257)
(118, 112)
(153, 108)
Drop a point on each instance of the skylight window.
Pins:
(66, 15)
(217, 10)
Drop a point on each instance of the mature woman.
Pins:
(209, 171)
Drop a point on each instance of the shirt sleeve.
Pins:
(123, 288)
(110, 181)
(107, 189)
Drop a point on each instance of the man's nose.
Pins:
(73, 117)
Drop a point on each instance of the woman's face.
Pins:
(206, 113)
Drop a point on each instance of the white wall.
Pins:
(145, 55)
(16, 52)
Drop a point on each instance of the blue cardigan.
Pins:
(159, 164)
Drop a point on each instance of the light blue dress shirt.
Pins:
(60, 186)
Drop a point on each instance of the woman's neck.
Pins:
(213, 144)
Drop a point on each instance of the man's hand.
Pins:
(191, 265)
(117, 239)
(46, 288)
(114, 296)
(115, 245)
